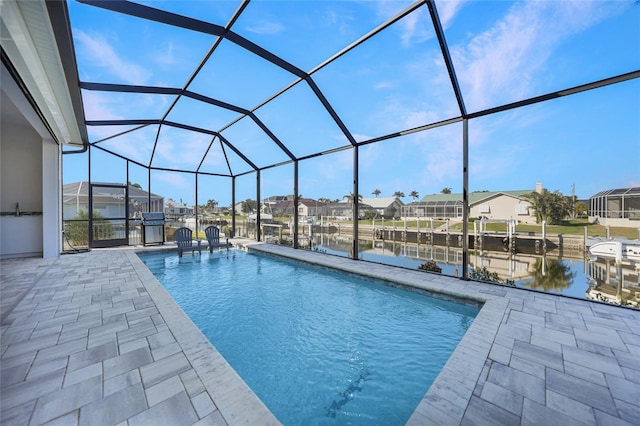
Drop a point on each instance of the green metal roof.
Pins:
(474, 197)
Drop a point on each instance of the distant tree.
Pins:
(248, 205)
(551, 207)
(351, 198)
(376, 192)
(369, 214)
(414, 195)
(398, 194)
(576, 208)
(211, 204)
(581, 209)
(324, 200)
(446, 191)
(135, 184)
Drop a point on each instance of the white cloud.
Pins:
(174, 185)
(357, 136)
(215, 157)
(136, 145)
(332, 167)
(167, 57)
(442, 150)
(180, 149)
(342, 21)
(499, 65)
(416, 27)
(99, 52)
(97, 107)
(383, 85)
(266, 27)
(447, 10)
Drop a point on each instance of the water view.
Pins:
(554, 272)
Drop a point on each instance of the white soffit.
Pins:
(29, 42)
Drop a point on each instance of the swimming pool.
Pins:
(317, 346)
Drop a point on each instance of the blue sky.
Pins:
(502, 52)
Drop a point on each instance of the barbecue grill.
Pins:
(153, 228)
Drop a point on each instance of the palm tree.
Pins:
(414, 195)
(350, 198)
(446, 191)
(376, 192)
(211, 204)
(398, 194)
(324, 200)
(551, 207)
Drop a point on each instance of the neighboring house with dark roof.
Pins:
(174, 208)
(496, 205)
(616, 207)
(273, 202)
(75, 197)
(307, 207)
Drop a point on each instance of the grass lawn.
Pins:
(572, 227)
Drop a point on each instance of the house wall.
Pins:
(23, 156)
(30, 176)
(502, 207)
(389, 211)
(622, 223)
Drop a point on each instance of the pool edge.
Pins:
(235, 400)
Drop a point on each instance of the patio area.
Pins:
(93, 338)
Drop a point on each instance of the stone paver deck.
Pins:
(93, 338)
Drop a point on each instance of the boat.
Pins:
(618, 250)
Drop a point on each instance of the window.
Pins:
(522, 209)
(484, 208)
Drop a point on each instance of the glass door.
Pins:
(108, 215)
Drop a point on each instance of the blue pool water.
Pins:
(317, 346)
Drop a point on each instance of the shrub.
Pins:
(430, 266)
(483, 274)
(77, 229)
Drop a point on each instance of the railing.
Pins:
(76, 232)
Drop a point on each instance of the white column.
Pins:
(51, 199)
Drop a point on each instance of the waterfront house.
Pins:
(494, 205)
(75, 198)
(385, 206)
(616, 207)
(174, 208)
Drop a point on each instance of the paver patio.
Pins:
(93, 338)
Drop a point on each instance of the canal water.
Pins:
(597, 279)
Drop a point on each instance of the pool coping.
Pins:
(237, 403)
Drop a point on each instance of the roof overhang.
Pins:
(37, 49)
